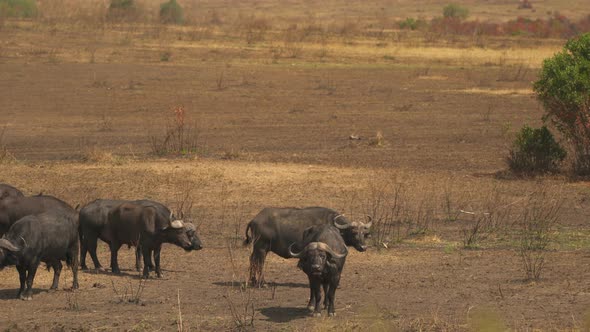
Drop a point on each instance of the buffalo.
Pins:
(7, 190)
(322, 259)
(275, 229)
(14, 208)
(49, 237)
(135, 224)
(94, 226)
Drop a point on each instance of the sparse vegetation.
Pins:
(18, 8)
(538, 222)
(454, 11)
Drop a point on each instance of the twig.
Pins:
(180, 329)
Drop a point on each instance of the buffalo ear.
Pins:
(8, 245)
(333, 268)
(306, 233)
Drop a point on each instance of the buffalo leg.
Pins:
(114, 253)
(138, 258)
(157, 251)
(31, 271)
(311, 303)
(326, 286)
(22, 276)
(57, 266)
(257, 265)
(317, 290)
(331, 294)
(72, 261)
(147, 261)
(91, 243)
(83, 252)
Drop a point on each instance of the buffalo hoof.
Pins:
(117, 271)
(331, 314)
(317, 314)
(75, 285)
(310, 308)
(26, 297)
(83, 267)
(159, 275)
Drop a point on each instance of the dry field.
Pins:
(270, 109)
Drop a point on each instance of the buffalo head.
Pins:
(354, 233)
(316, 258)
(7, 250)
(183, 234)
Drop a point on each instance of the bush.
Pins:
(564, 90)
(171, 13)
(18, 8)
(409, 23)
(535, 151)
(455, 11)
(122, 10)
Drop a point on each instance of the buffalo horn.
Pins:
(6, 244)
(296, 255)
(369, 222)
(177, 224)
(339, 226)
(329, 250)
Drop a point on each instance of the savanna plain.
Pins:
(252, 104)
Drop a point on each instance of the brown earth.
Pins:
(80, 106)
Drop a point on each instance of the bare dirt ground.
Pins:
(80, 104)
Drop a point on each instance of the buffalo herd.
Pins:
(43, 228)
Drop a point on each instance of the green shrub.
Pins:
(409, 23)
(455, 11)
(171, 13)
(564, 90)
(18, 8)
(535, 151)
(122, 10)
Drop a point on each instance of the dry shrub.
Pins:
(94, 154)
(378, 140)
(514, 73)
(180, 136)
(493, 214)
(240, 297)
(396, 212)
(5, 155)
(537, 222)
(253, 28)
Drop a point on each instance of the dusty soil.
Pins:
(80, 109)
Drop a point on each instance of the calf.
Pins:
(322, 259)
(50, 237)
(139, 225)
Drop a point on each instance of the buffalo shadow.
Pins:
(284, 314)
(10, 293)
(267, 285)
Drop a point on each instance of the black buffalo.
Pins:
(322, 259)
(49, 237)
(14, 208)
(7, 190)
(94, 226)
(275, 229)
(139, 225)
